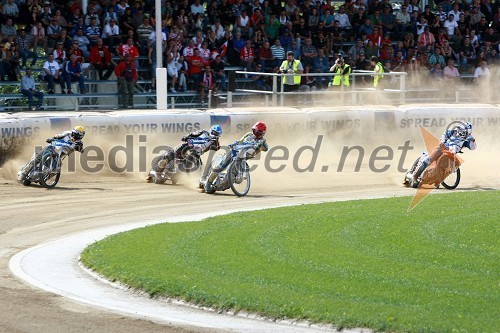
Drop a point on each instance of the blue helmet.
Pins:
(216, 130)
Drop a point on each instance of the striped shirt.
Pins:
(278, 52)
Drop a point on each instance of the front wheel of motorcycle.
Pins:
(451, 182)
(239, 177)
(48, 173)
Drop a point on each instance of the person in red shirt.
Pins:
(126, 72)
(195, 68)
(376, 37)
(100, 57)
(266, 57)
(128, 48)
(247, 56)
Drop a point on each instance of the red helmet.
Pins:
(259, 129)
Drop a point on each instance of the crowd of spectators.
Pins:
(254, 34)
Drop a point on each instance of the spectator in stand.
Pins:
(72, 72)
(110, 15)
(111, 34)
(79, 25)
(247, 56)
(8, 29)
(59, 19)
(11, 62)
(195, 69)
(127, 20)
(39, 37)
(54, 33)
(308, 53)
(10, 10)
(345, 24)
(59, 53)
(450, 72)
(93, 32)
(100, 58)
(437, 58)
(52, 72)
(144, 31)
(388, 21)
(188, 51)
(467, 53)
(172, 71)
(92, 14)
(46, 15)
(366, 28)
(482, 73)
(24, 49)
(426, 39)
(205, 52)
(455, 12)
(321, 65)
(218, 70)
(126, 72)
(29, 90)
(259, 80)
(65, 39)
(356, 49)
(294, 49)
(130, 49)
(403, 20)
(376, 37)
(266, 57)
(452, 29)
(83, 43)
(207, 83)
(278, 53)
(183, 66)
(75, 49)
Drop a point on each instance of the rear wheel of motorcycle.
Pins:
(49, 178)
(451, 182)
(412, 169)
(239, 177)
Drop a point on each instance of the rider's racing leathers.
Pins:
(449, 140)
(211, 143)
(75, 144)
(256, 146)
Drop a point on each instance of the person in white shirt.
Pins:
(111, 33)
(482, 73)
(451, 26)
(52, 72)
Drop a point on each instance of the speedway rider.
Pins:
(452, 139)
(74, 137)
(257, 144)
(211, 143)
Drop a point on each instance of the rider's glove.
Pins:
(184, 138)
(49, 140)
(79, 147)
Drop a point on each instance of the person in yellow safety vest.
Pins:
(343, 70)
(378, 68)
(289, 66)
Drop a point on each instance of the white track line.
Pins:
(53, 266)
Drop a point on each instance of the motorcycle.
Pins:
(237, 176)
(45, 166)
(187, 160)
(445, 171)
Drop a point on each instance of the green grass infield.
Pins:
(362, 263)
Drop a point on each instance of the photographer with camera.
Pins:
(342, 70)
(291, 66)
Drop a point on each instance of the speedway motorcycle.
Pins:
(229, 171)
(445, 171)
(45, 166)
(187, 160)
